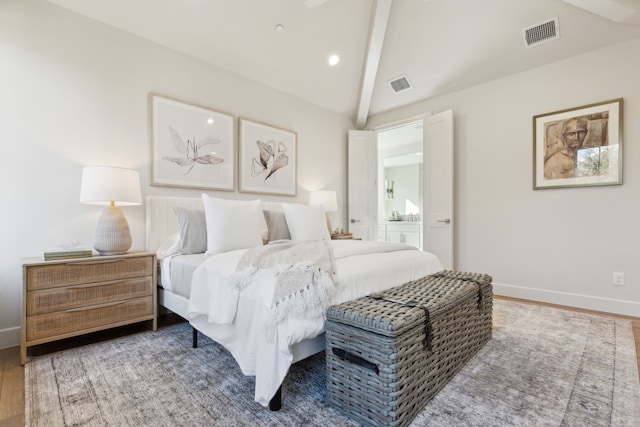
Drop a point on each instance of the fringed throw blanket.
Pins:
(303, 274)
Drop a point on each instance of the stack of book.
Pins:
(65, 254)
(342, 236)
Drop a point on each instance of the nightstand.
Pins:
(69, 297)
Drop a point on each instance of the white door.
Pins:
(362, 187)
(438, 184)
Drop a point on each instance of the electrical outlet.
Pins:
(618, 279)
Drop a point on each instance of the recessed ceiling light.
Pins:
(333, 60)
(279, 28)
(210, 121)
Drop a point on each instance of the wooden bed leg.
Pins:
(276, 401)
(194, 337)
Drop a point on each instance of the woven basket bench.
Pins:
(388, 354)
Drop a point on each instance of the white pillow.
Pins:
(306, 222)
(232, 224)
(169, 247)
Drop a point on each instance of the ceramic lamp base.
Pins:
(113, 236)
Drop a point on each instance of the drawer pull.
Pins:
(93, 307)
(94, 261)
(93, 285)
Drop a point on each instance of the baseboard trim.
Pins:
(607, 305)
(9, 337)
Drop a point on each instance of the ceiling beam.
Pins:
(377, 31)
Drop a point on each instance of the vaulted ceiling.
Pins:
(439, 45)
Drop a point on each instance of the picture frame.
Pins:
(192, 146)
(578, 147)
(267, 159)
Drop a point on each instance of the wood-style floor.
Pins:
(12, 373)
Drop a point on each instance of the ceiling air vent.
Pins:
(541, 33)
(400, 84)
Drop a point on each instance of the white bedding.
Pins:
(236, 318)
(177, 270)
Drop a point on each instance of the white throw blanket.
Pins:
(235, 318)
(303, 274)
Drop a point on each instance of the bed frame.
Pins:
(161, 222)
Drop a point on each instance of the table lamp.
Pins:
(111, 187)
(327, 199)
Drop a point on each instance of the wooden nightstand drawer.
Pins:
(85, 318)
(64, 298)
(85, 271)
(69, 297)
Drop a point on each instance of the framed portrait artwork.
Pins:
(578, 147)
(267, 159)
(191, 146)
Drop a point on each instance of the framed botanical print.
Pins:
(191, 146)
(579, 146)
(267, 159)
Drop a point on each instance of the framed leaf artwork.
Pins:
(191, 146)
(267, 159)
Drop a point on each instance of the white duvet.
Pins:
(236, 318)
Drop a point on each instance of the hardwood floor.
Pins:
(11, 388)
(12, 373)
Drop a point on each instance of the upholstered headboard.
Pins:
(161, 221)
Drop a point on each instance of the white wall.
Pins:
(559, 245)
(74, 92)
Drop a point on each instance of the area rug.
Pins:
(543, 366)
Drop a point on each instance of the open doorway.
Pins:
(369, 220)
(401, 184)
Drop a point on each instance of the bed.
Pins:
(267, 318)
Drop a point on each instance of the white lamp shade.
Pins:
(327, 199)
(103, 185)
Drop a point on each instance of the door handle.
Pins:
(354, 220)
(446, 221)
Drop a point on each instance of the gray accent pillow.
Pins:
(193, 231)
(277, 228)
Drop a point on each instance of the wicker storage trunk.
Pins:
(388, 354)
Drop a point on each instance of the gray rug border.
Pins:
(623, 385)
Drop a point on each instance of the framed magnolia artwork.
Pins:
(191, 146)
(267, 159)
(579, 146)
